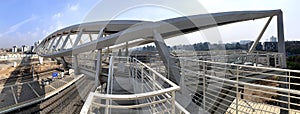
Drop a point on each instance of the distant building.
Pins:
(230, 46)
(270, 46)
(244, 42)
(292, 48)
(14, 49)
(258, 47)
(2, 50)
(24, 48)
(273, 39)
(31, 49)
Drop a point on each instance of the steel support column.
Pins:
(120, 52)
(126, 49)
(166, 57)
(98, 67)
(281, 49)
(75, 63)
(99, 60)
(281, 43)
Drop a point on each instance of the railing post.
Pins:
(237, 90)
(154, 79)
(154, 88)
(275, 61)
(142, 82)
(268, 60)
(173, 102)
(110, 74)
(106, 106)
(136, 68)
(289, 96)
(203, 88)
(133, 67)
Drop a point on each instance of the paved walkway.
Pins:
(255, 108)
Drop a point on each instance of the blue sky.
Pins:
(27, 21)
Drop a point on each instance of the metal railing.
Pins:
(231, 88)
(268, 59)
(215, 87)
(152, 92)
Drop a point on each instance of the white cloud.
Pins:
(13, 28)
(56, 16)
(73, 7)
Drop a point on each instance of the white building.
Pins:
(24, 48)
(273, 39)
(14, 49)
(243, 42)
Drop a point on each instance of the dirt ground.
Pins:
(7, 69)
(261, 92)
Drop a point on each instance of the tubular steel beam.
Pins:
(98, 67)
(253, 46)
(57, 42)
(281, 44)
(126, 49)
(281, 49)
(50, 47)
(78, 38)
(166, 57)
(65, 41)
(75, 64)
(91, 38)
(99, 59)
(101, 33)
(167, 28)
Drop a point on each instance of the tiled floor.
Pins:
(255, 108)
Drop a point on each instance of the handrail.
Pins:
(158, 74)
(248, 84)
(246, 66)
(132, 106)
(150, 96)
(139, 95)
(136, 96)
(256, 84)
(182, 110)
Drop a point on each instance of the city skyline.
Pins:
(26, 22)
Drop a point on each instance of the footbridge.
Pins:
(169, 83)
